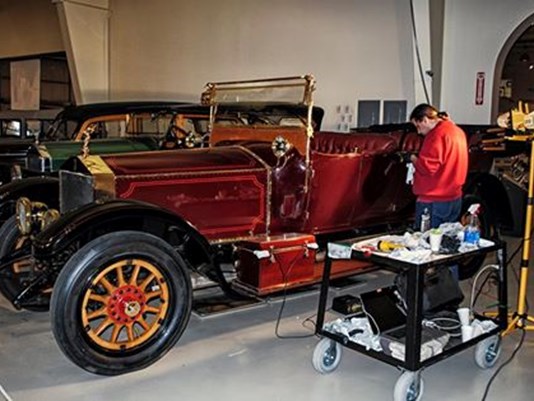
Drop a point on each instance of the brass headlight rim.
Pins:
(23, 210)
(48, 217)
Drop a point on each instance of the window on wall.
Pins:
(394, 111)
(368, 112)
(371, 112)
(55, 87)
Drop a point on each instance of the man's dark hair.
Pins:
(426, 110)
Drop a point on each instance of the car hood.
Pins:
(183, 161)
(223, 191)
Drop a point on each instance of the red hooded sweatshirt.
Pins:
(441, 167)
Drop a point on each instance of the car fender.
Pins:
(37, 189)
(88, 222)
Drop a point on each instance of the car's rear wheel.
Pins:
(468, 267)
(15, 277)
(121, 302)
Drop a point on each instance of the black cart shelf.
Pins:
(327, 353)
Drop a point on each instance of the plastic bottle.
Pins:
(472, 231)
(425, 220)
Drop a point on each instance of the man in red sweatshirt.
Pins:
(440, 167)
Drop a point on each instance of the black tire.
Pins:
(113, 279)
(468, 267)
(19, 272)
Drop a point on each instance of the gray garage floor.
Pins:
(237, 356)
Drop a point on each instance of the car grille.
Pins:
(75, 190)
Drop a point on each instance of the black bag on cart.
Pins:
(440, 289)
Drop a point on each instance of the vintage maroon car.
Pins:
(264, 197)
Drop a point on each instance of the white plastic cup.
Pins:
(464, 315)
(435, 241)
(467, 333)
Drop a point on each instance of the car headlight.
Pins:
(33, 217)
(24, 215)
(48, 218)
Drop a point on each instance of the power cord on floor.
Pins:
(472, 298)
(515, 351)
(285, 276)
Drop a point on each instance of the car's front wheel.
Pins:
(121, 302)
(19, 275)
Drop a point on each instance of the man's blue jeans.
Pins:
(440, 212)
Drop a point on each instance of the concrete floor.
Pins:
(236, 356)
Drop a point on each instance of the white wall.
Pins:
(357, 49)
(475, 31)
(28, 27)
(85, 30)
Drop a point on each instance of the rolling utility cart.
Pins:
(409, 386)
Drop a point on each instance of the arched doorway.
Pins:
(514, 70)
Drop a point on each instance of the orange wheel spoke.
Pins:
(131, 335)
(97, 313)
(152, 294)
(143, 323)
(107, 285)
(103, 326)
(146, 281)
(120, 277)
(116, 331)
(135, 274)
(98, 298)
(151, 309)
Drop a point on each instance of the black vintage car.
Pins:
(21, 128)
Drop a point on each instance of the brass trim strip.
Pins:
(104, 178)
(268, 193)
(188, 173)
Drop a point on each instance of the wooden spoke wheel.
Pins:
(121, 302)
(125, 304)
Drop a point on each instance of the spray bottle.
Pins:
(472, 230)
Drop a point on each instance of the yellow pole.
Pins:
(519, 318)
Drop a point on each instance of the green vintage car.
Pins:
(110, 128)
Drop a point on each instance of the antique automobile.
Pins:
(139, 126)
(21, 128)
(263, 197)
(25, 124)
(112, 120)
(111, 128)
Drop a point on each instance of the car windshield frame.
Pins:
(292, 91)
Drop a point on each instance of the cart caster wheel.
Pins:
(326, 356)
(409, 387)
(487, 352)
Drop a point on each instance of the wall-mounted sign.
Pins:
(479, 91)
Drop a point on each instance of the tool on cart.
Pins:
(388, 246)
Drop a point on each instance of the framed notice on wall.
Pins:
(25, 84)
